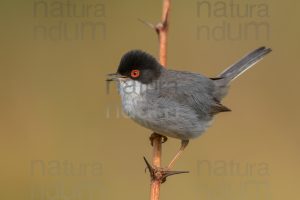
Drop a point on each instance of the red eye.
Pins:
(135, 73)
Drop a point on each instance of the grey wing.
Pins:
(191, 90)
(183, 104)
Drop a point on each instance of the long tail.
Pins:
(244, 64)
(222, 81)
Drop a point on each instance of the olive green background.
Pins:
(54, 108)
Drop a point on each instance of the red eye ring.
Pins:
(135, 73)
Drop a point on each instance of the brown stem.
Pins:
(162, 31)
(156, 162)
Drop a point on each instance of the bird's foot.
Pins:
(155, 135)
(161, 174)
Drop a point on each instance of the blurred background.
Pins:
(64, 137)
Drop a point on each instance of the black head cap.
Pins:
(139, 65)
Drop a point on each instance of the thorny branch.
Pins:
(157, 173)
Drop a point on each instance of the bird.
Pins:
(172, 103)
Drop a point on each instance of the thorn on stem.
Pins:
(161, 174)
(147, 23)
(161, 26)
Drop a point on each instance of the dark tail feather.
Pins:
(222, 81)
(244, 64)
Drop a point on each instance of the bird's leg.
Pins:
(184, 144)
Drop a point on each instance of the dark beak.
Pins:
(114, 77)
